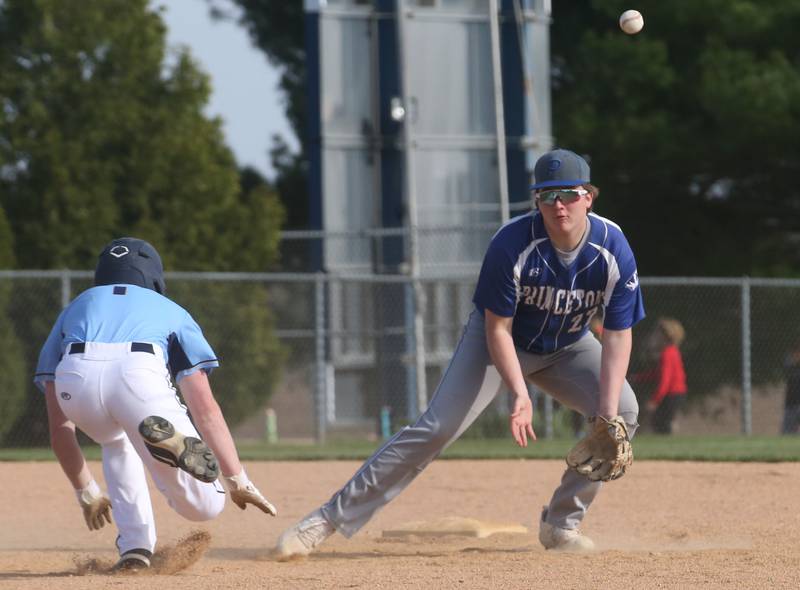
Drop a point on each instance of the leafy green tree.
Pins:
(6, 242)
(692, 127)
(276, 27)
(102, 134)
(238, 321)
(12, 370)
(12, 366)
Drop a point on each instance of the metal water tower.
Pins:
(425, 118)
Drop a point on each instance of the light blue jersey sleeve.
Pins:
(127, 313)
(189, 351)
(50, 355)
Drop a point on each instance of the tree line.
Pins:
(691, 126)
(102, 135)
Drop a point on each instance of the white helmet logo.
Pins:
(119, 251)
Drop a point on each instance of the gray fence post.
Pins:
(412, 206)
(420, 366)
(547, 409)
(499, 114)
(66, 288)
(747, 417)
(320, 384)
(548, 416)
(410, 352)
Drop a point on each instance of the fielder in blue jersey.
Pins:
(544, 277)
(108, 368)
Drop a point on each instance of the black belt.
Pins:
(79, 347)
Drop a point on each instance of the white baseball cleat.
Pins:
(305, 536)
(558, 539)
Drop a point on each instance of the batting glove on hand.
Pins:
(96, 506)
(243, 492)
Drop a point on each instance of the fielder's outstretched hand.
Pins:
(521, 420)
(243, 492)
(96, 506)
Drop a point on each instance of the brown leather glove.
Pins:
(605, 453)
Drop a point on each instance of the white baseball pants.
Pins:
(107, 390)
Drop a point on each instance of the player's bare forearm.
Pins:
(64, 442)
(613, 367)
(503, 353)
(504, 356)
(210, 422)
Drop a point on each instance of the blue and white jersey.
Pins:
(552, 305)
(127, 313)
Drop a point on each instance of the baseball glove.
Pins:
(604, 453)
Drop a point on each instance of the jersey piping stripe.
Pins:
(200, 363)
(613, 272)
(547, 315)
(552, 270)
(613, 266)
(512, 220)
(575, 278)
(571, 289)
(519, 266)
(605, 221)
(613, 277)
(523, 258)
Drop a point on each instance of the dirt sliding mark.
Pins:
(169, 560)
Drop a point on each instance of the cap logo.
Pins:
(554, 165)
(119, 251)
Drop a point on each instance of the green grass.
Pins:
(646, 447)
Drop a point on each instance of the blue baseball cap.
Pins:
(560, 168)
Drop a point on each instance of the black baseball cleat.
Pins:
(187, 453)
(133, 561)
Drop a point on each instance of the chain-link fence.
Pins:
(333, 355)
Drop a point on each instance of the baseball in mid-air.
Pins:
(631, 21)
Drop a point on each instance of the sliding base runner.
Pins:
(108, 368)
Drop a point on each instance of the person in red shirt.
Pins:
(670, 376)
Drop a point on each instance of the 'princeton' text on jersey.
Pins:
(522, 277)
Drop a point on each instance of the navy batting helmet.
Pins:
(130, 261)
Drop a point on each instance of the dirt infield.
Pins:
(664, 525)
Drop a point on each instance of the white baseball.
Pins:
(631, 21)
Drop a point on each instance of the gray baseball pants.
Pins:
(570, 375)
